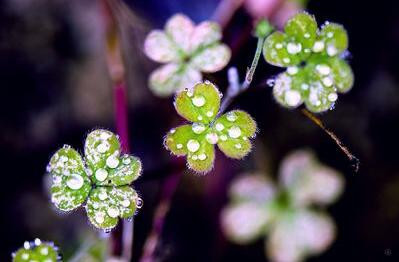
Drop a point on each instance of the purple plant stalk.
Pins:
(121, 121)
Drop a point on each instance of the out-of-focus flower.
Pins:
(315, 70)
(187, 51)
(286, 214)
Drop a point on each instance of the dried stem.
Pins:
(331, 134)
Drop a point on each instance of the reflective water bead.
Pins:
(238, 146)
(112, 161)
(113, 212)
(102, 195)
(198, 128)
(202, 157)
(103, 147)
(212, 138)
(292, 70)
(223, 137)
(209, 114)
(125, 203)
(327, 81)
(75, 182)
(234, 132)
(293, 48)
(318, 46)
(332, 97)
(198, 101)
(332, 50)
(219, 127)
(179, 146)
(193, 145)
(323, 69)
(292, 97)
(231, 117)
(101, 174)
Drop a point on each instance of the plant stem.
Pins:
(232, 90)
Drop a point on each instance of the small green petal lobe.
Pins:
(303, 28)
(71, 184)
(106, 204)
(199, 104)
(177, 138)
(234, 130)
(201, 159)
(335, 39)
(342, 75)
(160, 48)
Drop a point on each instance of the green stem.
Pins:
(251, 70)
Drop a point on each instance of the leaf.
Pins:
(177, 138)
(288, 90)
(234, 130)
(71, 184)
(303, 29)
(275, 50)
(342, 74)
(335, 39)
(128, 170)
(159, 47)
(211, 59)
(199, 104)
(201, 159)
(179, 27)
(106, 204)
(205, 34)
(102, 149)
(36, 251)
(171, 78)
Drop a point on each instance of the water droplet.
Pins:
(219, 127)
(292, 70)
(209, 114)
(198, 101)
(172, 131)
(244, 138)
(102, 195)
(190, 93)
(306, 35)
(327, 81)
(202, 157)
(332, 97)
(238, 146)
(75, 181)
(26, 245)
(318, 46)
(64, 159)
(305, 86)
(25, 256)
(37, 242)
(126, 161)
(194, 157)
(139, 203)
(286, 60)
(292, 98)
(193, 145)
(231, 116)
(293, 48)
(103, 147)
(113, 212)
(179, 146)
(279, 46)
(112, 161)
(199, 118)
(99, 218)
(330, 34)
(198, 128)
(125, 203)
(223, 137)
(212, 138)
(44, 251)
(323, 69)
(66, 147)
(101, 174)
(332, 50)
(234, 132)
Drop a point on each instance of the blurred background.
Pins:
(56, 88)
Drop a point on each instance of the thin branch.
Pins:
(343, 148)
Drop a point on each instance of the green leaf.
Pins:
(275, 50)
(102, 149)
(302, 28)
(106, 204)
(342, 74)
(177, 138)
(71, 184)
(199, 104)
(201, 154)
(288, 90)
(36, 251)
(335, 39)
(211, 59)
(129, 169)
(234, 130)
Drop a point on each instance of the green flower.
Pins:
(188, 50)
(315, 70)
(102, 178)
(286, 213)
(231, 131)
(37, 251)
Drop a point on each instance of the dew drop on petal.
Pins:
(234, 132)
(238, 146)
(212, 138)
(113, 212)
(202, 157)
(286, 60)
(193, 145)
(332, 97)
(101, 174)
(198, 101)
(293, 48)
(179, 146)
(318, 46)
(125, 203)
(219, 127)
(231, 117)
(198, 128)
(75, 182)
(292, 70)
(327, 81)
(112, 161)
(331, 50)
(323, 69)
(209, 114)
(199, 118)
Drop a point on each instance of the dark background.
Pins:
(54, 89)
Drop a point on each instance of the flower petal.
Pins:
(205, 34)
(212, 59)
(308, 181)
(202, 159)
(179, 27)
(342, 74)
(106, 204)
(245, 222)
(71, 185)
(159, 47)
(253, 187)
(279, 51)
(171, 78)
(303, 29)
(300, 234)
(199, 104)
(102, 149)
(234, 129)
(335, 39)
